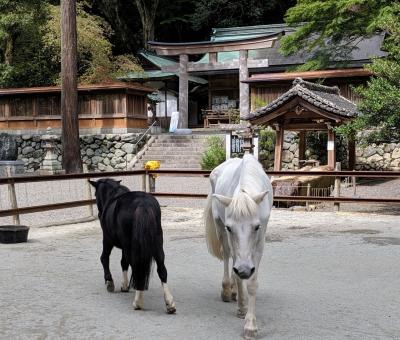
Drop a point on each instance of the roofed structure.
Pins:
(306, 107)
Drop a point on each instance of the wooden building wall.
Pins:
(101, 109)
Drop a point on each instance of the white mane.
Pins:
(250, 183)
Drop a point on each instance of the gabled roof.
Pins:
(327, 98)
(367, 48)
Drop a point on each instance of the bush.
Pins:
(214, 155)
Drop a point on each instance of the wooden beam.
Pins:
(213, 57)
(191, 48)
(278, 149)
(290, 76)
(243, 87)
(331, 147)
(218, 66)
(305, 127)
(183, 91)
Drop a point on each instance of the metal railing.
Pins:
(16, 211)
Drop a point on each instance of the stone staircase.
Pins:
(175, 151)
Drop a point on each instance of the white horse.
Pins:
(236, 217)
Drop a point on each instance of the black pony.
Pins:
(131, 221)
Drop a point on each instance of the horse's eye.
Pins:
(256, 228)
(228, 228)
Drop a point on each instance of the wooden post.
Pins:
(72, 162)
(183, 91)
(278, 148)
(144, 179)
(331, 147)
(228, 146)
(338, 167)
(12, 197)
(351, 146)
(302, 146)
(88, 191)
(243, 87)
(308, 194)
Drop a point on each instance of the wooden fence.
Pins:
(15, 211)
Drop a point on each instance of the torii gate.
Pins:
(211, 47)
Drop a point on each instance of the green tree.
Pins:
(328, 28)
(95, 60)
(23, 59)
(214, 154)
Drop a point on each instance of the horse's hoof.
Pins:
(125, 289)
(110, 286)
(250, 334)
(241, 313)
(171, 309)
(226, 297)
(137, 306)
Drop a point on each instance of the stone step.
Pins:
(172, 149)
(162, 152)
(177, 145)
(176, 159)
(172, 166)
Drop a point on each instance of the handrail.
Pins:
(144, 134)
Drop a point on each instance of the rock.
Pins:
(112, 137)
(97, 152)
(119, 153)
(128, 148)
(106, 161)
(101, 167)
(128, 137)
(27, 150)
(374, 158)
(369, 151)
(118, 145)
(38, 154)
(99, 137)
(26, 137)
(96, 160)
(120, 166)
(87, 139)
(396, 153)
(36, 138)
(287, 156)
(89, 152)
(94, 146)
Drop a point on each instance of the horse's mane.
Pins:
(250, 182)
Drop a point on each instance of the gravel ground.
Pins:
(323, 276)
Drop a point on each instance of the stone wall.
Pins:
(101, 152)
(372, 157)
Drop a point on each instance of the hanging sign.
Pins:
(331, 145)
(236, 144)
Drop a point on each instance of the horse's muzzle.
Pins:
(244, 272)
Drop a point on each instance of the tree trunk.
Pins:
(72, 162)
(8, 51)
(147, 11)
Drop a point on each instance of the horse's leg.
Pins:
(250, 326)
(233, 287)
(162, 273)
(105, 261)
(241, 298)
(226, 292)
(125, 266)
(138, 302)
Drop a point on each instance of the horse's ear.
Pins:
(259, 197)
(93, 183)
(119, 182)
(223, 199)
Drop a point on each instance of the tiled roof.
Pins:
(327, 98)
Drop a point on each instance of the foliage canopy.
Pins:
(327, 28)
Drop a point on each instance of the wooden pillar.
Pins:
(243, 87)
(302, 146)
(278, 148)
(331, 147)
(71, 158)
(183, 91)
(351, 146)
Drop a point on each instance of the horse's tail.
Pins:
(213, 243)
(146, 236)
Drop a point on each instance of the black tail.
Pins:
(146, 238)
